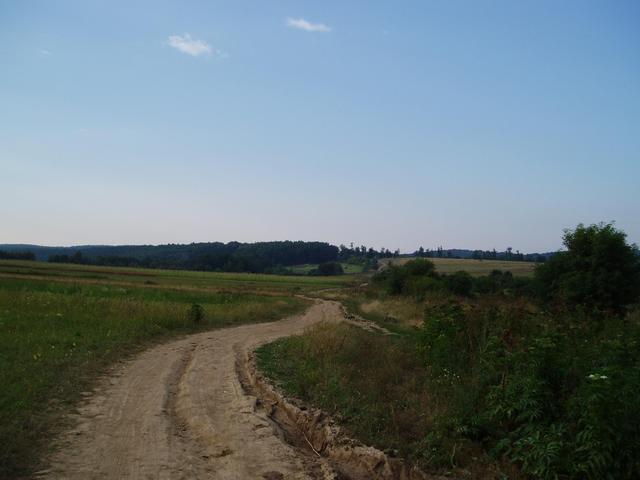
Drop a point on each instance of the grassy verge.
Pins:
(377, 386)
(55, 336)
(371, 381)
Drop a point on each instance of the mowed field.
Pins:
(474, 267)
(62, 325)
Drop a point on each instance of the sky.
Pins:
(466, 124)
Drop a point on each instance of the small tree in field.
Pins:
(598, 270)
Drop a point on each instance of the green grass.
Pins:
(61, 325)
(474, 267)
(178, 279)
(375, 384)
(378, 387)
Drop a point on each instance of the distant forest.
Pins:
(260, 257)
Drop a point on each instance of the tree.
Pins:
(598, 270)
(17, 255)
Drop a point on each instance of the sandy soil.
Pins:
(179, 411)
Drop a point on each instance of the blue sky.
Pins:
(396, 124)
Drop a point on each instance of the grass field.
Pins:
(474, 267)
(60, 325)
(177, 279)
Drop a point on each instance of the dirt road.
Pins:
(179, 411)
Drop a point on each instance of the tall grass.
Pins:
(376, 385)
(54, 338)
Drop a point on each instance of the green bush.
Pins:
(418, 278)
(195, 314)
(459, 283)
(327, 268)
(420, 286)
(557, 396)
(502, 283)
(599, 270)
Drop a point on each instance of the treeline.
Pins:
(508, 255)
(17, 255)
(262, 257)
(362, 252)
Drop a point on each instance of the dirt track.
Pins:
(182, 410)
(197, 408)
(179, 411)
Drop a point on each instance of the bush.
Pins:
(459, 283)
(416, 277)
(327, 268)
(556, 396)
(502, 283)
(195, 314)
(419, 267)
(599, 270)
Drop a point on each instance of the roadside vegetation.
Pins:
(62, 325)
(499, 375)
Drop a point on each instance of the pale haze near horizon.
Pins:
(462, 124)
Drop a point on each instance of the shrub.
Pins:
(556, 396)
(195, 314)
(420, 286)
(328, 268)
(414, 278)
(502, 283)
(459, 283)
(419, 267)
(599, 270)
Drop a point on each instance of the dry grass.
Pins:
(376, 385)
(405, 312)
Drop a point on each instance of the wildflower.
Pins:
(597, 376)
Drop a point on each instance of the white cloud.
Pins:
(45, 52)
(187, 45)
(302, 24)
